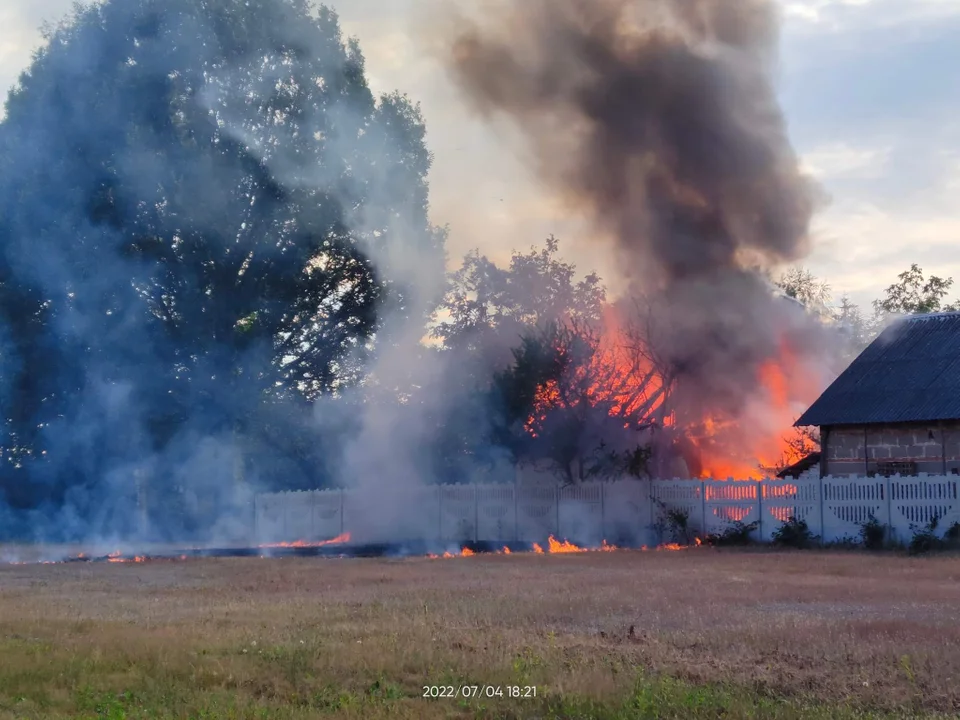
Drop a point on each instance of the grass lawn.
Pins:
(700, 633)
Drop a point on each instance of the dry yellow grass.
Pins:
(627, 634)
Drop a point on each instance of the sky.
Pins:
(870, 90)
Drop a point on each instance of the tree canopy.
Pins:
(914, 294)
(198, 207)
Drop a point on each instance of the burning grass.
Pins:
(697, 634)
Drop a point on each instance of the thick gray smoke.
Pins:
(659, 120)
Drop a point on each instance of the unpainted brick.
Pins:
(845, 467)
(952, 443)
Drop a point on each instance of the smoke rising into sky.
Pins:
(659, 121)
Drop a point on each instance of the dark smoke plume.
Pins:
(660, 121)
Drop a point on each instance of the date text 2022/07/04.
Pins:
(479, 691)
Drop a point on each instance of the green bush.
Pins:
(873, 534)
(674, 524)
(737, 533)
(794, 533)
(926, 539)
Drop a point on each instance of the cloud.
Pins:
(862, 246)
(843, 161)
(844, 15)
(867, 91)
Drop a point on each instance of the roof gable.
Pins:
(909, 373)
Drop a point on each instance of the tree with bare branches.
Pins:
(581, 399)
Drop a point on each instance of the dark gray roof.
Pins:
(910, 373)
(800, 466)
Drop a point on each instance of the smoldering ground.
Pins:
(658, 119)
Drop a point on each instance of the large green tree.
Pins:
(913, 293)
(485, 313)
(200, 203)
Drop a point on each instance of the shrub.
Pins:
(873, 534)
(952, 535)
(794, 533)
(926, 539)
(737, 533)
(676, 522)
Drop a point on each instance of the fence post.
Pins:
(650, 505)
(703, 508)
(823, 529)
(603, 504)
(760, 509)
(556, 495)
(516, 511)
(890, 529)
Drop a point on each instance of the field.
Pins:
(700, 633)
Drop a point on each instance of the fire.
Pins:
(621, 380)
(464, 552)
(614, 376)
(116, 557)
(563, 547)
(338, 540)
(727, 451)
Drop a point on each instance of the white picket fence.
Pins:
(628, 510)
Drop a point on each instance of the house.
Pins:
(802, 466)
(896, 408)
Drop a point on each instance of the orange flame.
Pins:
(746, 448)
(614, 376)
(464, 552)
(562, 547)
(339, 539)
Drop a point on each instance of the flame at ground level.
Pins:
(558, 547)
(553, 546)
(339, 539)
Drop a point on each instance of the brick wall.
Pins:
(859, 449)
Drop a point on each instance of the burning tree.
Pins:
(581, 401)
